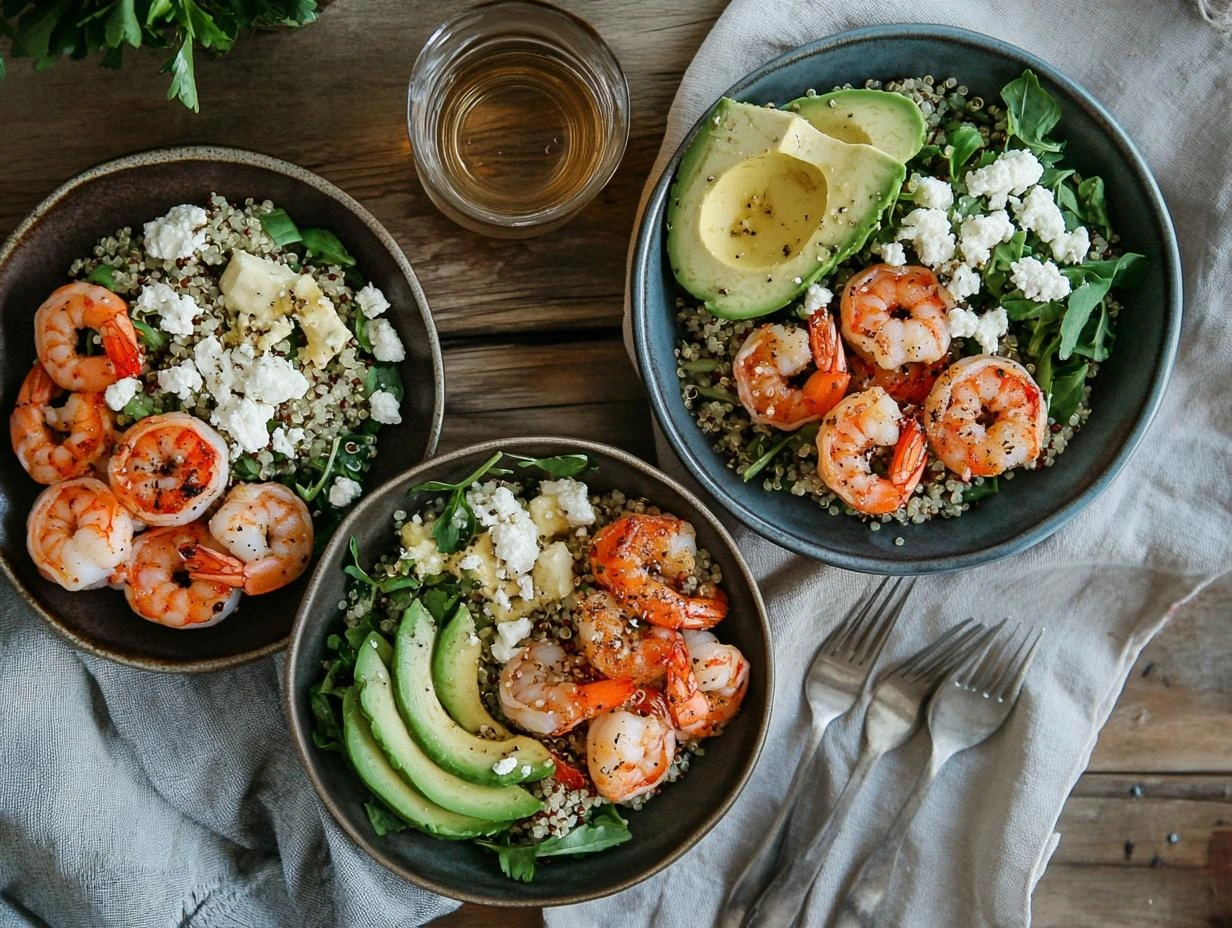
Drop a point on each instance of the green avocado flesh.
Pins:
(887, 121)
(448, 744)
(403, 800)
(494, 803)
(455, 673)
(764, 204)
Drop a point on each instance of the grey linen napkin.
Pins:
(1102, 586)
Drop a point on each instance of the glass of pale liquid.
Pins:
(518, 114)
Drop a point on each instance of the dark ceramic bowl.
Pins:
(1124, 397)
(130, 191)
(662, 831)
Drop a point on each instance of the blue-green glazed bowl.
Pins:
(1124, 396)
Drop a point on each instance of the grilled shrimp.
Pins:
(268, 531)
(896, 315)
(78, 534)
(58, 443)
(168, 469)
(539, 695)
(984, 416)
(630, 751)
(705, 689)
(642, 559)
(853, 430)
(908, 384)
(616, 647)
(774, 355)
(159, 588)
(63, 315)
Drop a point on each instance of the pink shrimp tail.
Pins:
(702, 612)
(215, 566)
(121, 348)
(604, 696)
(910, 456)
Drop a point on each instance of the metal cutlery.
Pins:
(832, 686)
(967, 709)
(894, 714)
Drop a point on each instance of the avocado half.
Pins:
(887, 121)
(764, 204)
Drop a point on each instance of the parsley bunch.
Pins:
(50, 29)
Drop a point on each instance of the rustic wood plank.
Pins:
(482, 916)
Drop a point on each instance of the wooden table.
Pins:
(532, 344)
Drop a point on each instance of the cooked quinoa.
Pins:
(782, 461)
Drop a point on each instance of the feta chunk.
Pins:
(491, 502)
(214, 364)
(1071, 247)
(962, 322)
(929, 232)
(245, 421)
(372, 302)
(175, 310)
(1011, 174)
(120, 393)
(175, 235)
(274, 380)
(985, 329)
(516, 542)
(386, 346)
(505, 764)
(980, 234)
(965, 282)
(931, 192)
(184, 380)
(344, 491)
(470, 562)
(509, 636)
(816, 297)
(1041, 281)
(384, 407)
(280, 443)
(573, 497)
(892, 253)
(1038, 212)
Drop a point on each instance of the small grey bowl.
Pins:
(1124, 396)
(128, 192)
(662, 831)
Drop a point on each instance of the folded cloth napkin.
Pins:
(1102, 586)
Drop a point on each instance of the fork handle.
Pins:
(756, 873)
(873, 879)
(783, 899)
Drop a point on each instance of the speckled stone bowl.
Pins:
(129, 192)
(1124, 397)
(662, 831)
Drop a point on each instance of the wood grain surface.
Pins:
(531, 331)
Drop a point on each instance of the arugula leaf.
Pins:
(183, 78)
(123, 25)
(1067, 392)
(383, 821)
(978, 491)
(309, 493)
(998, 270)
(154, 338)
(560, 465)
(140, 406)
(386, 377)
(441, 600)
(605, 829)
(323, 248)
(326, 732)
(103, 275)
(279, 226)
(1094, 279)
(1093, 205)
(965, 140)
(246, 468)
(386, 585)
(794, 439)
(455, 526)
(1031, 113)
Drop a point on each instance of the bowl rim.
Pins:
(661, 393)
(299, 725)
(225, 155)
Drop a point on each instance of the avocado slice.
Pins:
(444, 740)
(887, 121)
(455, 673)
(764, 204)
(376, 697)
(403, 800)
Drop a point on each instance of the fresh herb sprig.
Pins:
(46, 31)
(604, 829)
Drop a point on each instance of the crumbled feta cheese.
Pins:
(371, 301)
(1071, 247)
(504, 765)
(245, 421)
(929, 232)
(962, 322)
(491, 502)
(816, 297)
(516, 542)
(964, 282)
(176, 311)
(295, 436)
(280, 443)
(1012, 173)
(470, 562)
(344, 491)
(383, 406)
(526, 586)
(1038, 212)
(118, 395)
(573, 497)
(214, 364)
(184, 380)
(175, 235)
(931, 192)
(386, 346)
(1041, 281)
(892, 253)
(501, 598)
(985, 329)
(980, 234)
(273, 380)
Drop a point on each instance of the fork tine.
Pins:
(968, 671)
(1009, 692)
(994, 663)
(839, 639)
(947, 651)
(874, 637)
(1008, 661)
(913, 666)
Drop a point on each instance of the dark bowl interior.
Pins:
(664, 829)
(1125, 394)
(130, 192)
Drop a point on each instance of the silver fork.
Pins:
(968, 708)
(832, 686)
(894, 714)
